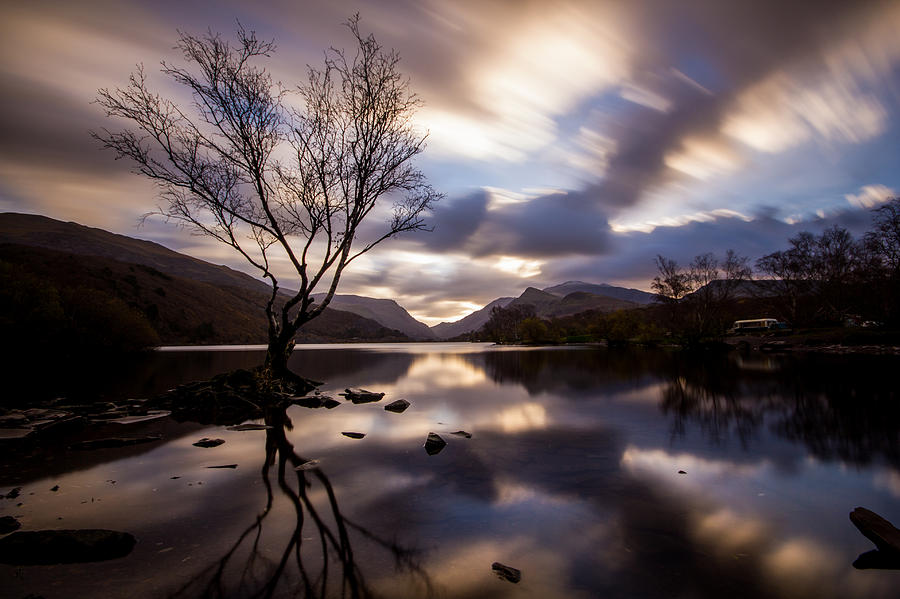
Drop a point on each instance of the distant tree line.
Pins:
(819, 281)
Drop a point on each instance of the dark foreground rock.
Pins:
(398, 407)
(881, 532)
(434, 444)
(43, 547)
(507, 573)
(353, 435)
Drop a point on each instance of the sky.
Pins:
(571, 140)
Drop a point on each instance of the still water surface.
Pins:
(596, 473)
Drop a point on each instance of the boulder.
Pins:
(398, 407)
(43, 547)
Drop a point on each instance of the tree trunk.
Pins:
(277, 354)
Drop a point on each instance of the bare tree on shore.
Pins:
(272, 181)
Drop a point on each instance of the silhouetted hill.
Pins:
(41, 231)
(384, 311)
(178, 309)
(541, 301)
(472, 322)
(622, 293)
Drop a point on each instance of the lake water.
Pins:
(596, 473)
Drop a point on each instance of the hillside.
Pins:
(384, 311)
(41, 231)
(178, 309)
(622, 293)
(548, 305)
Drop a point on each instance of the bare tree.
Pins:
(813, 279)
(672, 283)
(698, 295)
(269, 180)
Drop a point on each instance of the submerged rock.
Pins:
(43, 547)
(462, 434)
(114, 442)
(308, 465)
(9, 524)
(507, 573)
(250, 426)
(398, 407)
(204, 442)
(361, 395)
(310, 401)
(434, 444)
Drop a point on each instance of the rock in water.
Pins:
(462, 434)
(353, 435)
(204, 442)
(878, 530)
(506, 572)
(398, 407)
(361, 395)
(43, 547)
(434, 444)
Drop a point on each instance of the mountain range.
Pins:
(188, 300)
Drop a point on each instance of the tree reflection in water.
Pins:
(839, 407)
(245, 570)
